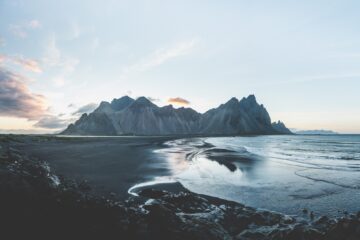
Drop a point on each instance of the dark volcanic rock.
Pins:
(36, 204)
(126, 116)
(281, 128)
(96, 123)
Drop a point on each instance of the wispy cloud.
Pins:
(178, 101)
(28, 64)
(75, 30)
(21, 30)
(52, 122)
(313, 78)
(34, 24)
(161, 56)
(2, 58)
(152, 99)
(2, 42)
(60, 121)
(53, 57)
(95, 44)
(18, 31)
(58, 81)
(16, 100)
(86, 109)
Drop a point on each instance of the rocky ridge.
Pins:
(126, 116)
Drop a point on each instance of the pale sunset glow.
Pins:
(300, 59)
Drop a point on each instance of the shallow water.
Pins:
(279, 173)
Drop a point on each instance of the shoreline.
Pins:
(232, 170)
(162, 211)
(108, 164)
(119, 165)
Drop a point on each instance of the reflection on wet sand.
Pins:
(281, 173)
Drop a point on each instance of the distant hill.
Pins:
(127, 116)
(315, 132)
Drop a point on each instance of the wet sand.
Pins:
(126, 165)
(279, 173)
(108, 164)
(36, 204)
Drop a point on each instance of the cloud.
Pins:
(28, 64)
(58, 81)
(95, 44)
(75, 30)
(34, 24)
(16, 100)
(2, 42)
(178, 101)
(53, 57)
(52, 122)
(153, 99)
(2, 58)
(86, 109)
(313, 78)
(163, 55)
(160, 56)
(20, 30)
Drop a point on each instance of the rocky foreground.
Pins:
(37, 204)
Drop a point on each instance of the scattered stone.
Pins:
(151, 193)
(30, 202)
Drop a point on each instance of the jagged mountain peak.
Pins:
(143, 101)
(121, 103)
(280, 127)
(103, 107)
(232, 101)
(123, 98)
(104, 104)
(250, 100)
(170, 106)
(117, 104)
(142, 117)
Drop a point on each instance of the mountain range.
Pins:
(127, 116)
(315, 132)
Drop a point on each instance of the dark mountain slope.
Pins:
(142, 117)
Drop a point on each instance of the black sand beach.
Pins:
(108, 164)
(44, 196)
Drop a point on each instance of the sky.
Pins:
(59, 59)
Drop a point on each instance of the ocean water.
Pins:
(278, 173)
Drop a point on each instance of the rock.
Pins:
(31, 203)
(151, 193)
(249, 234)
(322, 220)
(126, 116)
